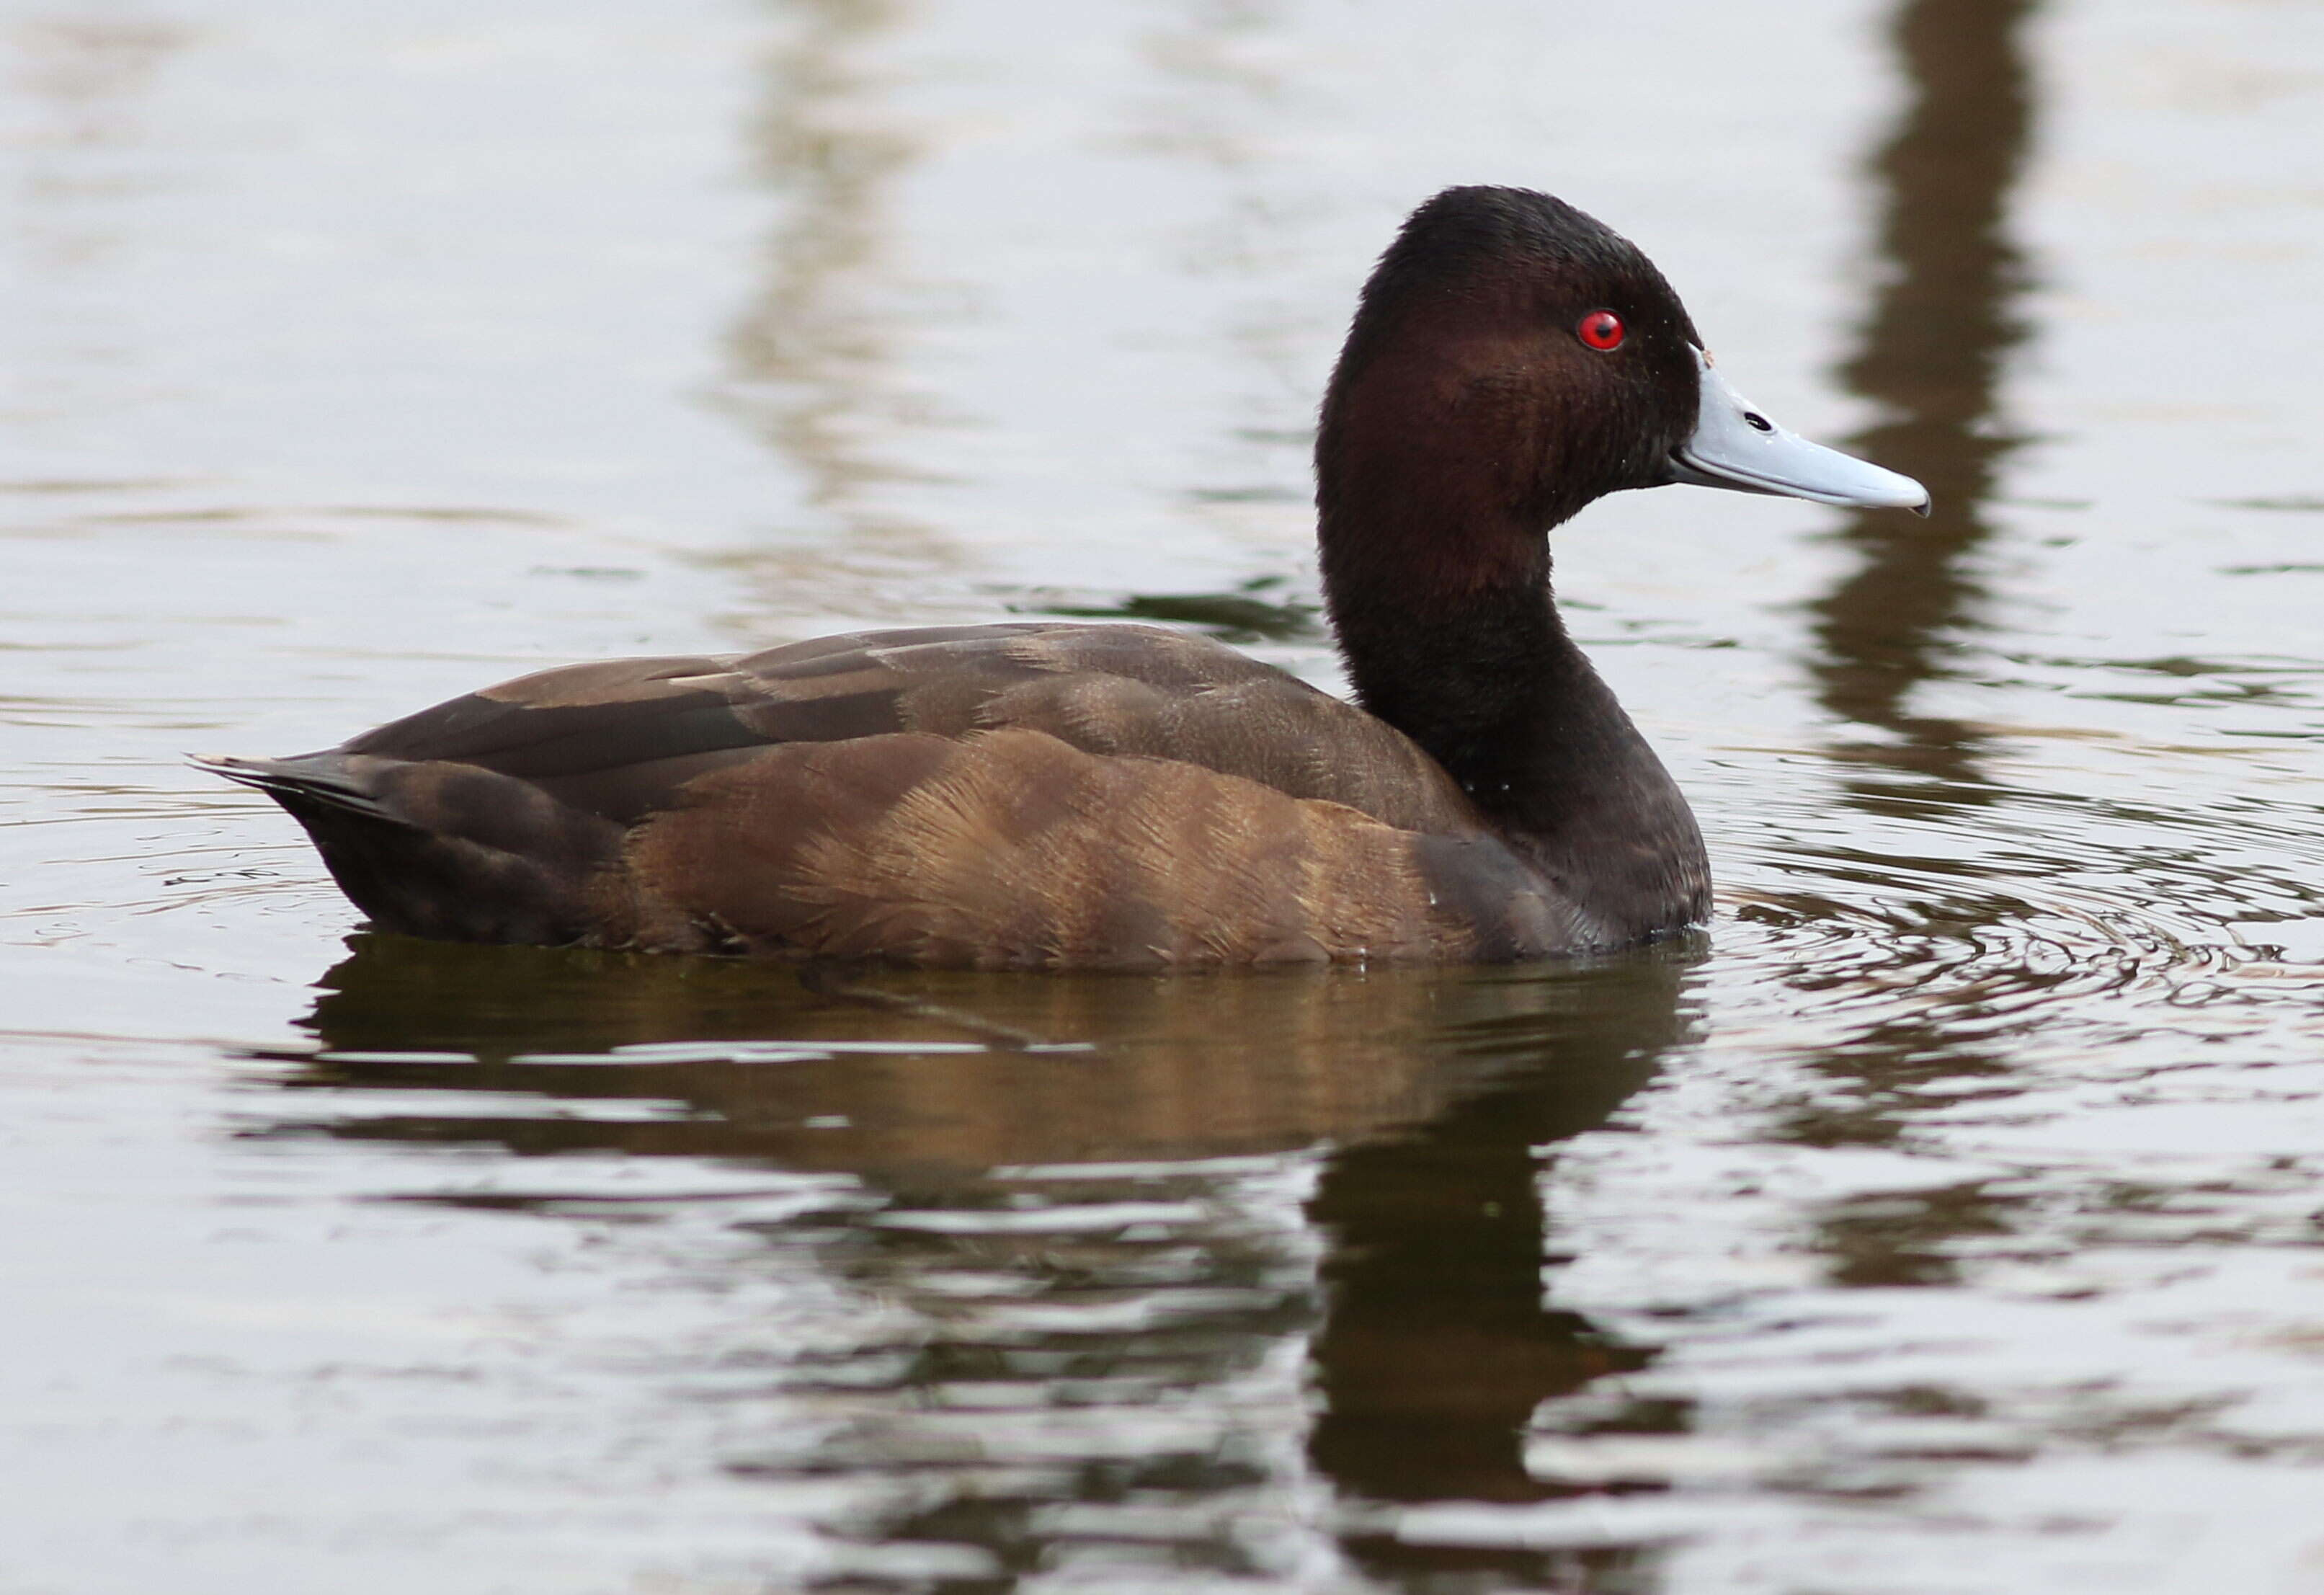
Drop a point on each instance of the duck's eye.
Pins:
(1600, 329)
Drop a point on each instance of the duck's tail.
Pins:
(310, 779)
(445, 850)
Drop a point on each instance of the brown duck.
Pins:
(1053, 795)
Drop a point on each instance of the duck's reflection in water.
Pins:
(1135, 1286)
(1436, 1347)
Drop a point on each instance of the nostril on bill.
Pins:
(1759, 421)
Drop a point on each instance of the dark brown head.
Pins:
(1511, 360)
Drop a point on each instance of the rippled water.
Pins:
(1946, 1219)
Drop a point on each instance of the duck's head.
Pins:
(1513, 359)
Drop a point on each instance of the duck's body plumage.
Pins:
(1090, 795)
(1020, 795)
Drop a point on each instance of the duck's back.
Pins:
(1015, 796)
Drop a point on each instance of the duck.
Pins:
(1070, 794)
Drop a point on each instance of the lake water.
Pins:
(1946, 1219)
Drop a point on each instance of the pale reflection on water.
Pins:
(1946, 1218)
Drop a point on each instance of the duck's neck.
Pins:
(1451, 635)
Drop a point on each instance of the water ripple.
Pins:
(2026, 902)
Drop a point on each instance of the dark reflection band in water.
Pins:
(1931, 355)
(813, 361)
(1069, 1229)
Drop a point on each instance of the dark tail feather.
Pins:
(445, 850)
(311, 778)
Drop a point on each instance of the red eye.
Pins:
(1600, 329)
